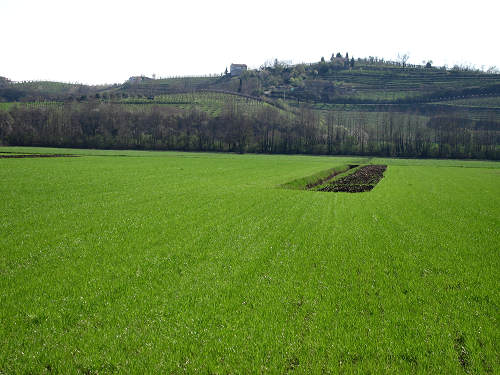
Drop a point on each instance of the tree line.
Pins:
(262, 129)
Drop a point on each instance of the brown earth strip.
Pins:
(364, 179)
(37, 156)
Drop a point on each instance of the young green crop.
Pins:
(317, 179)
(162, 262)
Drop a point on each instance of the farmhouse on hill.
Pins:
(137, 79)
(237, 69)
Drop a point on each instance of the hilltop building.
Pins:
(237, 69)
(4, 81)
(138, 79)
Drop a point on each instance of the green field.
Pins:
(493, 102)
(210, 102)
(165, 262)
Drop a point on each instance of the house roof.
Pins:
(133, 78)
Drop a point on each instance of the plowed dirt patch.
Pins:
(364, 179)
(36, 156)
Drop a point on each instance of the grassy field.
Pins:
(477, 102)
(5, 106)
(163, 262)
(209, 102)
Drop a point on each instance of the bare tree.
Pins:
(493, 70)
(403, 58)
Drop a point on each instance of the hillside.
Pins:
(363, 107)
(327, 82)
(47, 90)
(364, 81)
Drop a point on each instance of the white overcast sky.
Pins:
(107, 41)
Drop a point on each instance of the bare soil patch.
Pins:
(37, 156)
(364, 179)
